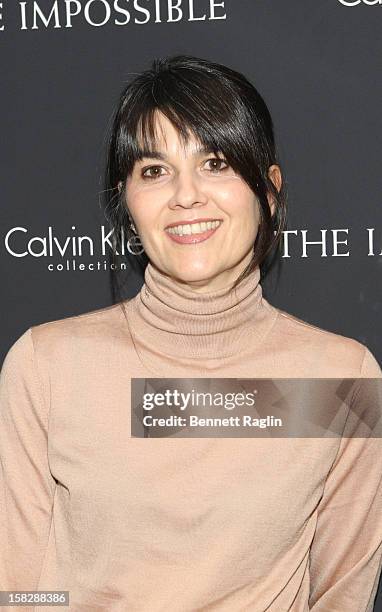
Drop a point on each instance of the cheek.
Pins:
(139, 206)
(239, 202)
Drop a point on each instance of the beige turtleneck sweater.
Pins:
(158, 525)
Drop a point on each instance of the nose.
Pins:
(187, 191)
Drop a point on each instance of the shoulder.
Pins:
(86, 323)
(92, 328)
(60, 352)
(325, 352)
(54, 339)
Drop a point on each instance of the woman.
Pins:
(124, 523)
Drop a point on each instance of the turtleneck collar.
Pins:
(177, 321)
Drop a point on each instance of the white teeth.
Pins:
(194, 228)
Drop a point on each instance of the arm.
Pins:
(346, 552)
(26, 484)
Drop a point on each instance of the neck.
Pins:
(175, 320)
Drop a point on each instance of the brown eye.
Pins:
(215, 164)
(154, 175)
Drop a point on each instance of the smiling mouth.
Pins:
(192, 233)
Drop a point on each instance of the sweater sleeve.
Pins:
(346, 552)
(370, 367)
(26, 484)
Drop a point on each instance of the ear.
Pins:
(120, 185)
(274, 174)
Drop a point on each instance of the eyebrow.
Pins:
(152, 154)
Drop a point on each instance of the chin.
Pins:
(194, 276)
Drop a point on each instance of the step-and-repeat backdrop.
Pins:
(317, 64)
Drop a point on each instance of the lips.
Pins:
(191, 238)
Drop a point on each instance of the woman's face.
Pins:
(187, 185)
